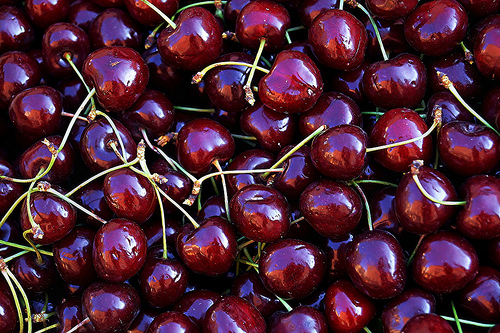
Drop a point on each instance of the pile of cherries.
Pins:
(249, 166)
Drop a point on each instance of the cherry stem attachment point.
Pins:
(179, 207)
(162, 15)
(247, 87)
(39, 258)
(467, 53)
(201, 3)
(150, 39)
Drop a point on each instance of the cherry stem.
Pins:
(467, 53)
(201, 3)
(35, 227)
(285, 304)
(4, 269)
(115, 130)
(449, 85)
(367, 329)
(367, 205)
(48, 328)
(216, 189)
(162, 15)
(414, 171)
(67, 114)
(23, 294)
(244, 137)
(356, 4)
(73, 203)
(244, 245)
(374, 181)
(27, 248)
(294, 149)
(179, 207)
(341, 5)
(67, 56)
(297, 220)
(11, 209)
(39, 258)
(80, 324)
(412, 255)
(252, 264)
(287, 32)
(248, 91)
(455, 315)
(224, 188)
(199, 76)
(468, 322)
(190, 109)
(150, 39)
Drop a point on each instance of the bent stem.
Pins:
(367, 205)
(4, 269)
(80, 207)
(201, 3)
(247, 87)
(162, 15)
(179, 207)
(199, 76)
(39, 258)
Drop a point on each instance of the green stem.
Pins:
(48, 328)
(375, 29)
(247, 87)
(179, 207)
(67, 56)
(285, 304)
(455, 315)
(4, 270)
(12, 208)
(25, 299)
(77, 205)
(186, 108)
(244, 137)
(214, 185)
(367, 330)
(201, 3)
(224, 188)
(431, 198)
(373, 181)
(39, 258)
(367, 205)
(199, 76)
(468, 322)
(297, 220)
(115, 130)
(27, 248)
(412, 255)
(162, 15)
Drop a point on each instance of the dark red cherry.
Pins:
(61, 38)
(9, 191)
(92, 198)
(213, 206)
(172, 322)
(436, 27)
(391, 34)
(272, 129)
(162, 76)
(119, 250)
(16, 32)
(383, 211)
(292, 268)
(36, 111)
(118, 74)
(293, 85)
(331, 208)
(35, 277)
(346, 308)
(248, 160)
(114, 27)
(338, 39)
(95, 145)
(8, 322)
(200, 143)
(82, 13)
(399, 125)
(142, 321)
(444, 263)
(335, 251)
(260, 213)
(402, 308)
(376, 265)
(262, 19)
(73, 92)
(391, 10)
(300, 319)
(209, 249)
(145, 15)
(111, 307)
(129, 195)
(195, 43)
(10, 232)
(73, 256)
(490, 105)
(397, 82)
(340, 152)
(468, 149)
(109, 3)
(349, 83)
(309, 9)
(415, 212)
(480, 8)
(70, 314)
(18, 71)
(427, 322)
(479, 218)
(450, 107)
(233, 314)
(46, 12)
(195, 304)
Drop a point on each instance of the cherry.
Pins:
(119, 250)
(444, 263)
(209, 249)
(260, 213)
(427, 322)
(338, 39)
(479, 8)
(293, 85)
(172, 322)
(383, 212)
(388, 10)
(92, 198)
(162, 76)
(194, 42)
(402, 308)
(426, 35)
(145, 15)
(10, 232)
(118, 74)
(82, 13)
(331, 208)
(335, 251)
(483, 51)
(233, 314)
(35, 276)
(395, 83)
(195, 304)
(109, 3)
(350, 83)
(248, 160)
(73, 91)
(142, 321)
(111, 307)
(292, 268)
(450, 106)
(202, 142)
(391, 34)
(18, 71)
(16, 32)
(9, 191)
(46, 12)
(309, 9)
(300, 319)
(346, 308)
(8, 322)
(69, 312)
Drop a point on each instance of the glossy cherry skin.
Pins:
(331, 208)
(73, 257)
(383, 211)
(9, 191)
(480, 8)
(293, 85)
(10, 232)
(172, 322)
(18, 71)
(82, 13)
(248, 160)
(292, 268)
(485, 50)
(46, 12)
(392, 35)
(335, 251)
(115, 27)
(111, 307)
(338, 39)
(119, 250)
(55, 217)
(92, 198)
(390, 10)
(233, 314)
(262, 19)
(201, 142)
(16, 32)
(8, 322)
(376, 265)
(427, 322)
(450, 106)
(398, 125)
(272, 129)
(468, 149)
(331, 109)
(444, 263)
(61, 38)
(309, 9)
(33, 276)
(300, 319)
(415, 212)
(437, 27)
(69, 313)
(36, 111)
(129, 195)
(410, 303)
(479, 218)
(145, 15)
(95, 146)
(340, 152)
(346, 308)
(397, 82)
(109, 3)
(195, 304)
(118, 74)
(195, 43)
(349, 83)
(209, 249)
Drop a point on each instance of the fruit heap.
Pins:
(249, 166)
